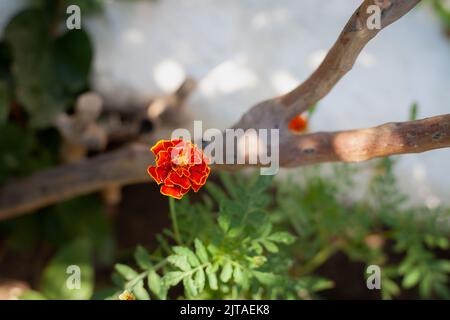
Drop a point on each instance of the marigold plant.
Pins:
(180, 166)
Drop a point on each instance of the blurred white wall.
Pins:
(244, 51)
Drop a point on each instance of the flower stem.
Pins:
(173, 217)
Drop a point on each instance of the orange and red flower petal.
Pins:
(163, 158)
(196, 187)
(173, 191)
(152, 172)
(198, 173)
(160, 146)
(173, 178)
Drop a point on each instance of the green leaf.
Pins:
(270, 246)
(32, 295)
(262, 183)
(257, 248)
(217, 193)
(125, 271)
(199, 280)
(282, 237)
(312, 110)
(142, 258)
(200, 250)
(413, 112)
(224, 221)
(38, 87)
(73, 55)
(266, 278)
(238, 276)
(190, 287)
(156, 285)
(48, 73)
(140, 292)
(212, 278)
(70, 274)
(411, 279)
(265, 229)
(191, 257)
(173, 278)
(229, 184)
(227, 272)
(179, 261)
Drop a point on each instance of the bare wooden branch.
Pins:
(365, 144)
(342, 56)
(121, 167)
(277, 112)
(128, 165)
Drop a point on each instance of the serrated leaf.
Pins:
(199, 280)
(179, 261)
(238, 275)
(189, 254)
(156, 285)
(173, 278)
(125, 271)
(265, 229)
(142, 258)
(189, 286)
(140, 292)
(257, 248)
(229, 184)
(270, 246)
(282, 237)
(262, 183)
(411, 279)
(217, 193)
(200, 250)
(212, 278)
(227, 272)
(224, 222)
(266, 278)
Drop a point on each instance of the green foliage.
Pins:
(442, 8)
(247, 240)
(42, 72)
(48, 72)
(326, 222)
(55, 276)
(4, 100)
(78, 231)
(240, 254)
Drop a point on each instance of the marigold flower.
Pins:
(180, 166)
(126, 295)
(298, 124)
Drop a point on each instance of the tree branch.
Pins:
(128, 165)
(365, 144)
(277, 112)
(122, 167)
(342, 56)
